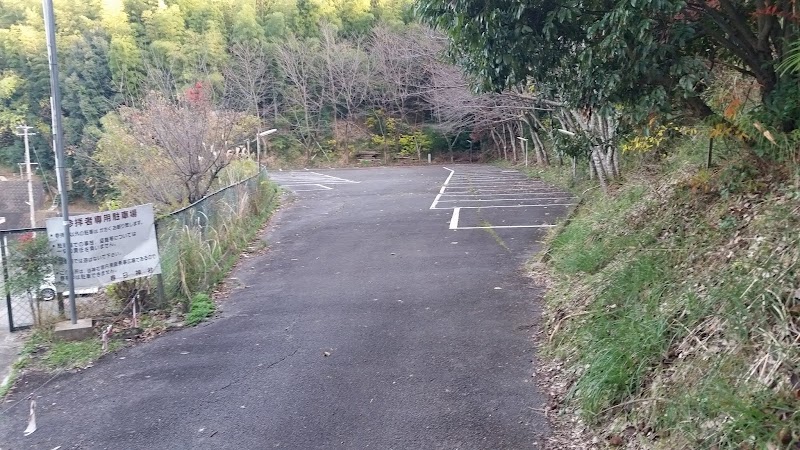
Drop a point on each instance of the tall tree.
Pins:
(348, 73)
(645, 54)
(181, 144)
(301, 64)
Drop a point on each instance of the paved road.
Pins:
(369, 323)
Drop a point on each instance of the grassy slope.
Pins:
(675, 305)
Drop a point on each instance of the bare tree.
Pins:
(171, 148)
(190, 134)
(249, 77)
(301, 65)
(348, 73)
(403, 70)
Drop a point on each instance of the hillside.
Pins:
(673, 315)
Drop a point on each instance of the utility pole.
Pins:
(23, 131)
(58, 146)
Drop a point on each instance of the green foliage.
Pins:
(199, 246)
(781, 106)
(791, 63)
(439, 142)
(647, 55)
(672, 294)
(582, 246)
(31, 263)
(574, 255)
(627, 335)
(414, 143)
(200, 308)
(69, 355)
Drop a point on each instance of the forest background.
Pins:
(159, 98)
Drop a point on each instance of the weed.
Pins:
(626, 336)
(488, 228)
(40, 338)
(677, 295)
(589, 242)
(69, 355)
(200, 308)
(200, 246)
(575, 250)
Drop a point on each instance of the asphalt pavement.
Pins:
(381, 316)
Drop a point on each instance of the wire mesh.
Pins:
(197, 246)
(199, 243)
(22, 307)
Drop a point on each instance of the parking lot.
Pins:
(306, 180)
(485, 197)
(375, 319)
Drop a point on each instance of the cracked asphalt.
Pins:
(368, 323)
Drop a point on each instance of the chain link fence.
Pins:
(198, 245)
(20, 306)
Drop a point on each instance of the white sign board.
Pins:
(108, 246)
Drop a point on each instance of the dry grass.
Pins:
(674, 315)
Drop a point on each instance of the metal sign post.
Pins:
(58, 145)
(258, 144)
(525, 148)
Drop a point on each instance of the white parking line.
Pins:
(542, 192)
(454, 219)
(502, 199)
(444, 186)
(441, 191)
(511, 206)
(504, 226)
(484, 191)
(492, 180)
(344, 180)
(324, 188)
(473, 187)
(496, 189)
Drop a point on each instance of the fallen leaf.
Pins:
(31, 420)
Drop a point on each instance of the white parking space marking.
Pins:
(513, 206)
(497, 200)
(306, 180)
(321, 187)
(454, 219)
(335, 179)
(504, 226)
(441, 191)
(496, 188)
(505, 194)
(530, 203)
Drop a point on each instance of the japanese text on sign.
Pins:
(107, 247)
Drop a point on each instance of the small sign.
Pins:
(107, 247)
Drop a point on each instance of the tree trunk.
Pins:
(597, 162)
(541, 153)
(510, 129)
(496, 144)
(452, 144)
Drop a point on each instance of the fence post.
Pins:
(60, 300)
(162, 297)
(4, 254)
